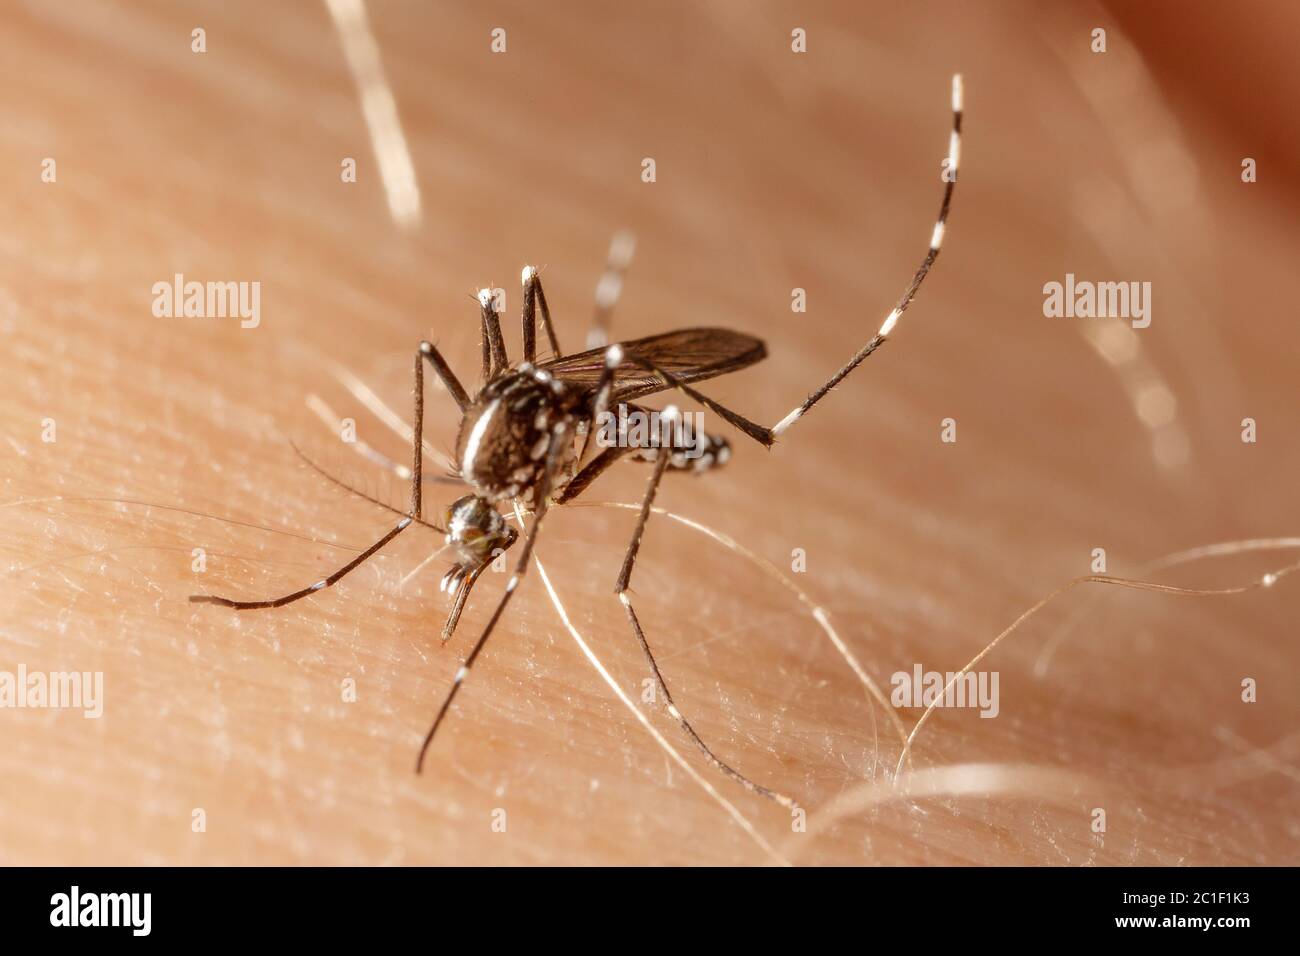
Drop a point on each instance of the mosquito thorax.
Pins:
(501, 451)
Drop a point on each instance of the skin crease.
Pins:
(774, 171)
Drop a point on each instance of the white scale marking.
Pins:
(608, 290)
(786, 422)
(476, 438)
(936, 240)
(891, 320)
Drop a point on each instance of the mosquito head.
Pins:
(475, 530)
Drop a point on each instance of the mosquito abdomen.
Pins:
(703, 452)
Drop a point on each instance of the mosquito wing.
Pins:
(688, 355)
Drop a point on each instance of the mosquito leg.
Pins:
(339, 483)
(427, 351)
(528, 319)
(449, 379)
(534, 298)
(590, 472)
(487, 348)
(768, 436)
(936, 241)
(495, 345)
(553, 460)
(318, 586)
(417, 431)
(610, 287)
(754, 430)
(621, 589)
(533, 281)
(600, 404)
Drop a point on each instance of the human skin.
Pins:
(774, 171)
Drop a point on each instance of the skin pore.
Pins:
(291, 734)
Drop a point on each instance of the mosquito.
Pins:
(525, 436)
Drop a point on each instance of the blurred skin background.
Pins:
(774, 171)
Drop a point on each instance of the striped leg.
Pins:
(553, 462)
(428, 352)
(610, 287)
(494, 346)
(768, 436)
(621, 589)
(936, 241)
(534, 298)
(600, 404)
(304, 592)
(754, 430)
(590, 472)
